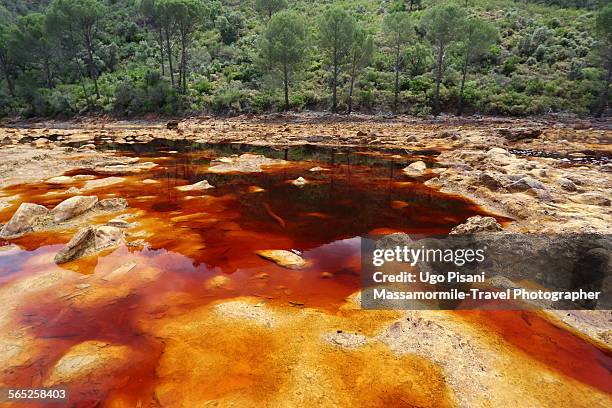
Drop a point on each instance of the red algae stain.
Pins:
(555, 347)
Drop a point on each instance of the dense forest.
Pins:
(62, 58)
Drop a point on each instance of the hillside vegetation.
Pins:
(62, 58)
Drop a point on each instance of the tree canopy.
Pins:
(133, 57)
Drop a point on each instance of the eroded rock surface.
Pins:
(477, 224)
(72, 207)
(23, 220)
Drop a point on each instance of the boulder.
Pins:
(286, 259)
(23, 220)
(77, 246)
(200, 185)
(112, 204)
(519, 133)
(361, 133)
(72, 207)
(172, 125)
(477, 224)
(415, 169)
(89, 240)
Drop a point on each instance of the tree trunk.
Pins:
(82, 81)
(169, 52)
(603, 103)
(334, 82)
(48, 73)
(350, 97)
(286, 84)
(397, 69)
(184, 58)
(92, 68)
(7, 75)
(161, 52)
(436, 111)
(463, 76)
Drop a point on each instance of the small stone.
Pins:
(497, 151)
(218, 282)
(200, 185)
(286, 259)
(415, 169)
(491, 181)
(566, 184)
(300, 181)
(112, 204)
(519, 133)
(116, 222)
(524, 184)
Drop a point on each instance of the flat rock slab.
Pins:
(286, 259)
(246, 163)
(200, 185)
(107, 181)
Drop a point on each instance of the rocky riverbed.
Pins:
(136, 265)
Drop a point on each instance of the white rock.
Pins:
(300, 181)
(415, 169)
(23, 220)
(200, 185)
(72, 207)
